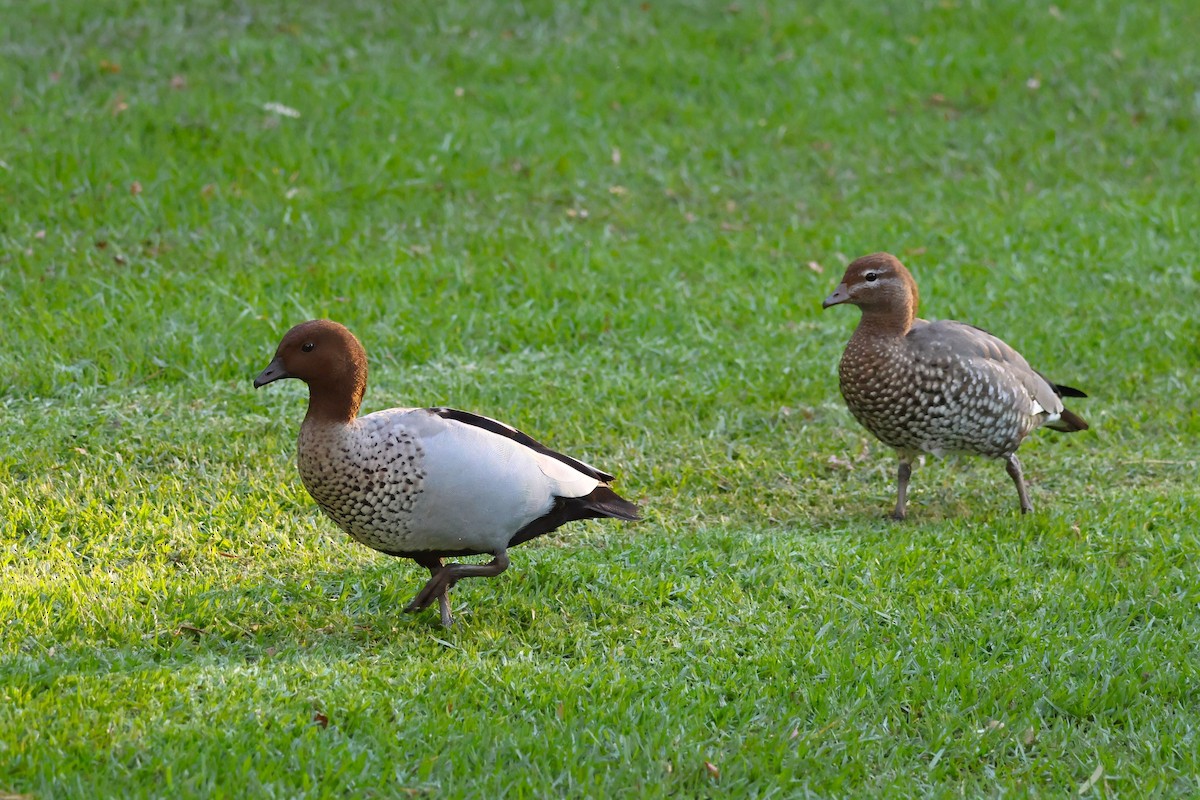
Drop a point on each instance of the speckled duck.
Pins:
(938, 387)
(426, 483)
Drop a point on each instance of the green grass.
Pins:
(594, 220)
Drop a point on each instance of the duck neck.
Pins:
(336, 398)
(884, 324)
(893, 318)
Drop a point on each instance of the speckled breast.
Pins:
(367, 478)
(932, 404)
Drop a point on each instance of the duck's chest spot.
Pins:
(924, 401)
(367, 481)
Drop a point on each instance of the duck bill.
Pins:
(273, 372)
(840, 295)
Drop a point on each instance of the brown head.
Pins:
(881, 286)
(327, 357)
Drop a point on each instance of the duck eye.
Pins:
(870, 277)
(307, 347)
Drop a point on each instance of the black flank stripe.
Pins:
(500, 429)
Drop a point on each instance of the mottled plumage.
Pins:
(426, 483)
(937, 387)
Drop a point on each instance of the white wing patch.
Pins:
(569, 482)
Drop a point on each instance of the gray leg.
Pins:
(444, 608)
(1013, 467)
(450, 574)
(902, 476)
(434, 565)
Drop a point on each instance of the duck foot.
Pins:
(444, 577)
(435, 566)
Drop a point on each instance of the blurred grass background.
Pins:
(611, 225)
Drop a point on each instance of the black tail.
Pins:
(1067, 391)
(602, 502)
(1068, 422)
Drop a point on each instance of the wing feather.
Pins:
(509, 432)
(977, 344)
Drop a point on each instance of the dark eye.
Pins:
(307, 347)
(870, 277)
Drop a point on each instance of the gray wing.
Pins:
(981, 351)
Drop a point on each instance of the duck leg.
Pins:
(435, 566)
(902, 475)
(1013, 467)
(449, 575)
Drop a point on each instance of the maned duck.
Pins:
(937, 387)
(426, 483)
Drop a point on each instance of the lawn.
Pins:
(612, 225)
